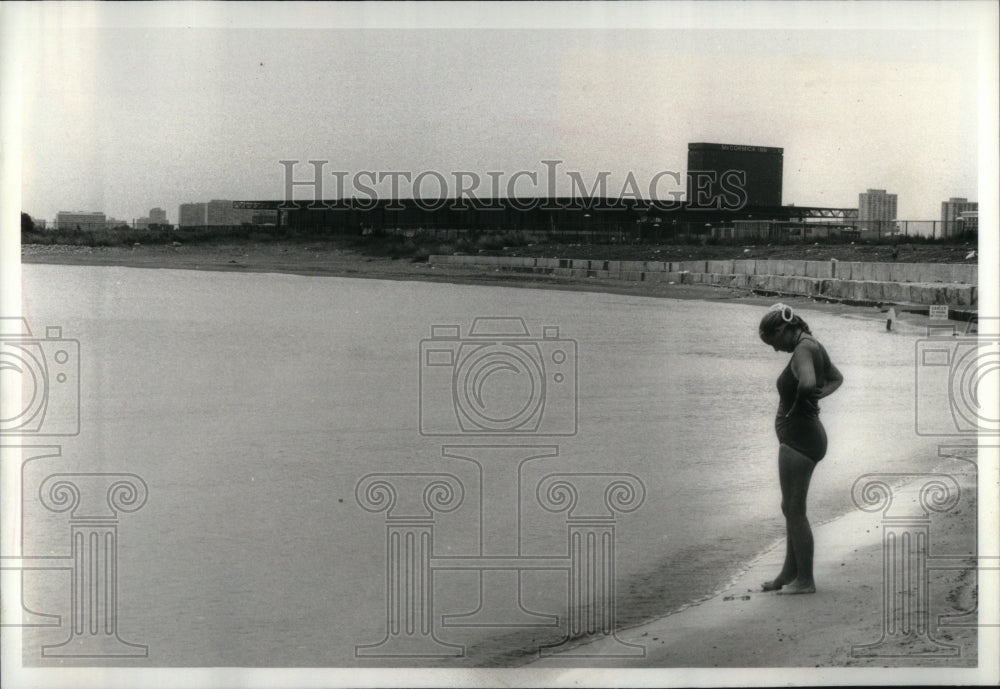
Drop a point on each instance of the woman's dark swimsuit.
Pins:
(802, 431)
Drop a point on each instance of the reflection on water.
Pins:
(252, 405)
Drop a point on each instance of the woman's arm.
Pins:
(804, 370)
(833, 380)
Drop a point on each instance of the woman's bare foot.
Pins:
(799, 586)
(773, 585)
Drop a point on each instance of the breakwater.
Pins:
(953, 284)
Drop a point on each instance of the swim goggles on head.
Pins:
(786, 311)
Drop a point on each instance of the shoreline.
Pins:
(320, 260)
(739, 626)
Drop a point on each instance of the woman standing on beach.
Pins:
(808, 377)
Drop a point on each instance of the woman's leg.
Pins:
(795, 470)
(789, 570)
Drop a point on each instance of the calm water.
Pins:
(251, 405)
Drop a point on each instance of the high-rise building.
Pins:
(953, 208)
(876, 205)
(157, 216)
(733, 176)
(220, 212)
(85, 220)
(192, 214)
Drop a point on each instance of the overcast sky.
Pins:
(123, 119)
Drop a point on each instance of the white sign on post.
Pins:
(938, 313)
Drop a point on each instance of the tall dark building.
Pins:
(733, 176)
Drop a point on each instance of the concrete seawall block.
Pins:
(962, 295)
(928, 273)
(740, 280)
(811, 285)
(606, 266)
(690, 266)
(796, 268)
(873, 290)
(903, 272)
(844, 270)
(835, 289)
(723, 267)
(916, 283)
(926, 294)
(819, 269)
(771, 267)
(964, 274)
(896, 291)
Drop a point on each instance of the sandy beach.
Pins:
(739, 626)
(319, 258)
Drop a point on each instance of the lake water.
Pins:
(253, 404)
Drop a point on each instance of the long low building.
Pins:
(559, 214)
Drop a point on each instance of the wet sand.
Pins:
(742, 627)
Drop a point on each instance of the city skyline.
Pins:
(122, 112)
(166, 217)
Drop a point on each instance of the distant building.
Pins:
(215, 212)
(734, 176)
(967, 221)
(157, 216)
(876, 204)
(953, 208)
(85, 220)
(264, 218)
(192, 214)
(220, 212)
(113, 223)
